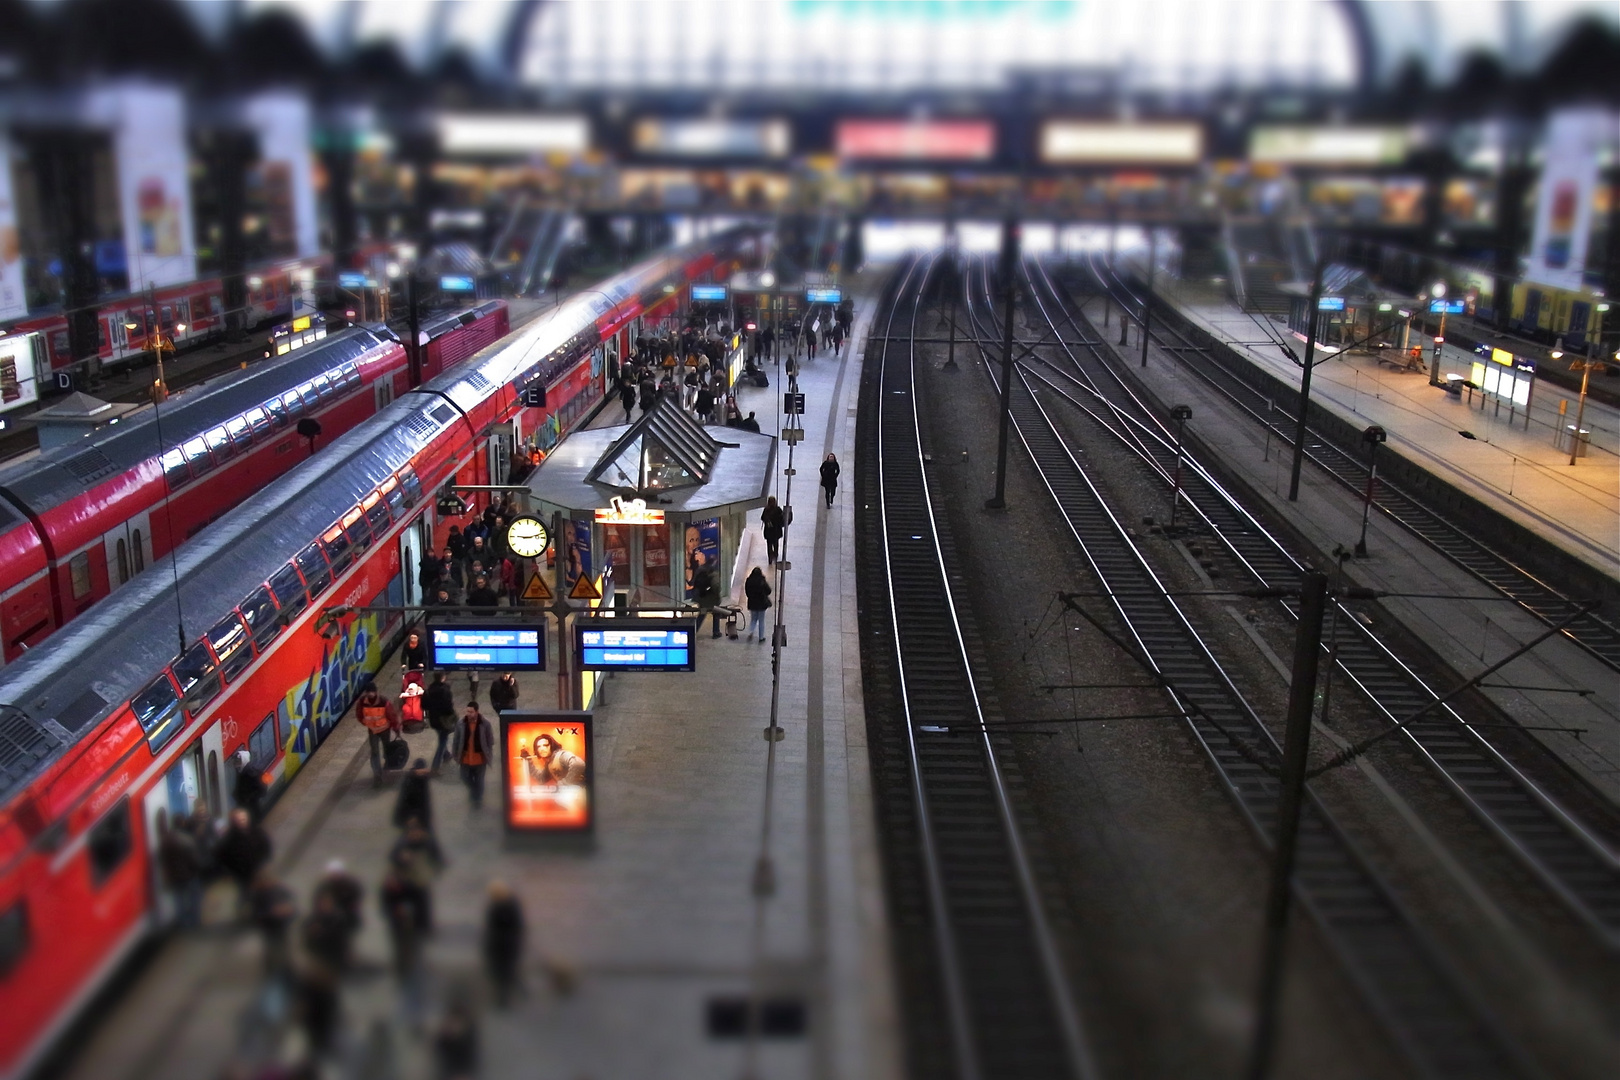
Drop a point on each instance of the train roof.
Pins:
(440, 324)
(132, 635)
(62, 473)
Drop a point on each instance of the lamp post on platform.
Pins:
(1311, 315)
(1438, 291)
(1372, 437)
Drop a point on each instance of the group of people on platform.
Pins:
(474, 568)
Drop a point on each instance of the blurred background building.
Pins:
(251, 160)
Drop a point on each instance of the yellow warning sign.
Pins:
(536, 589)
(584, 589)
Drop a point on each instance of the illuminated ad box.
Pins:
(635, 645)
(546, 774)
(1297, 145)
(713, 138)
(904, 140)
(499, 646)
(1078, 141)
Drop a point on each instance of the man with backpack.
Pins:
(440, 707)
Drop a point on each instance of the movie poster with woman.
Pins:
(548, 771)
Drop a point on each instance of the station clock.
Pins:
(527, 537)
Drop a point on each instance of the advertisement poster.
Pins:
(547, 771)
(579, 549)
(13, 297)
(655, 556)
(154, 192)
(616, 546)
(285, 173)
(1576, 139)
(702, 549)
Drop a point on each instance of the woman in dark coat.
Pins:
(772, 521)
(758, 591)
(829, 477)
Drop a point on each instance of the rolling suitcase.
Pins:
(397, 754)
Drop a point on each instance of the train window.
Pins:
(359, 534)
(262, 744)
(312, 564)
(323, 388)
(413, 486)
(219, 443)
(394, 495)
(216, 304)
(184, 307)
(175, 469)
(240, 433)
(229, 639)
(290, 401)
(277, 412)
(260, 421)
(198, 676)
(259, 612)
(168, 317)
(13, 937)
(351, 375)
(377, 517)
(136, 543)
(79, 575)
(110, 841)
(339, 550)
(289, 593)
(197, 456)
(306, 391)
(123, 561)
(157, 709)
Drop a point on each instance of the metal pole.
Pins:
(1296, 744)
(1366, 503)
(1311, 315)
(1147, 301)
(414, 325)
(1439, 347)
(1580, 413)
(952, 283)
(1181, 414)
(1009, 273)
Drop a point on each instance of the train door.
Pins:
(502, 441)
(412, 543)
(1532, 308)
(115, 334)
(126, 550)
(175, 793)
(1580, 313)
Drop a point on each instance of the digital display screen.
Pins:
(942, 140)
(352, 281)
(1447, 307)
(823, 296)
(546, 774)
(1330, 303)
(708, 292)
(503, 647)
(636, 645)
(457, 283)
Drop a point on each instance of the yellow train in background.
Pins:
(1546, 313)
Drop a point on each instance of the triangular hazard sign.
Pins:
(536, 589)
(584, 589)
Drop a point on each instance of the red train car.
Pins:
(198, 306)
(81, 520)
(109, 733)
(448, 340)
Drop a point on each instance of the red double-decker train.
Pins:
(107, 732)
(78, 521)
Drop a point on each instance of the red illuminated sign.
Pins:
(935, 140)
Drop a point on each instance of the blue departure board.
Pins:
(708, 292)
(823, 296)
(489, 645)
(635, 645)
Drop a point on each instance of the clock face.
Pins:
(527, 537)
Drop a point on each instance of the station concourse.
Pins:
(643, 937)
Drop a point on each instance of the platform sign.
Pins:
(348, 280)
(496, 645)
(635, 644)
(1330, 303)
(546, 772)
(708, 293)
(1447, 307)
(793, 403)
(824, 296)
(457, 283)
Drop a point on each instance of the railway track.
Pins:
(1421, 1001)
(1231, 377)
(1565, 854)
(987, 994)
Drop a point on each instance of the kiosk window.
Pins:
(13, 937)
(110, 842)
(317, 575)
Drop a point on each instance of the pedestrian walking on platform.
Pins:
(439, 705)
(347, 894)
(271, 906)
(773, 522)
(326, 934)
(242, 851)
(473, 748)
(829, 477)
(418, 857)
(415, 801)
(455, 1043)
(503, 941)
(627, 398)
(403, 909)
(706, 591)
(248, 791)
(503, 694)
(182, 871)
(413, 654)
(758, 591)
(381, 721)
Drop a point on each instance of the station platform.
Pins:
(1519, 465)
(1457, 616)
(637, 934)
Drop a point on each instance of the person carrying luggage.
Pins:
(382, 723)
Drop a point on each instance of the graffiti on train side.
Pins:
(312, 709)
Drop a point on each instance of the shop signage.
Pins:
(628, 512)
(824, 296)
(502, 646)
(635, 645)
(546, 771)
